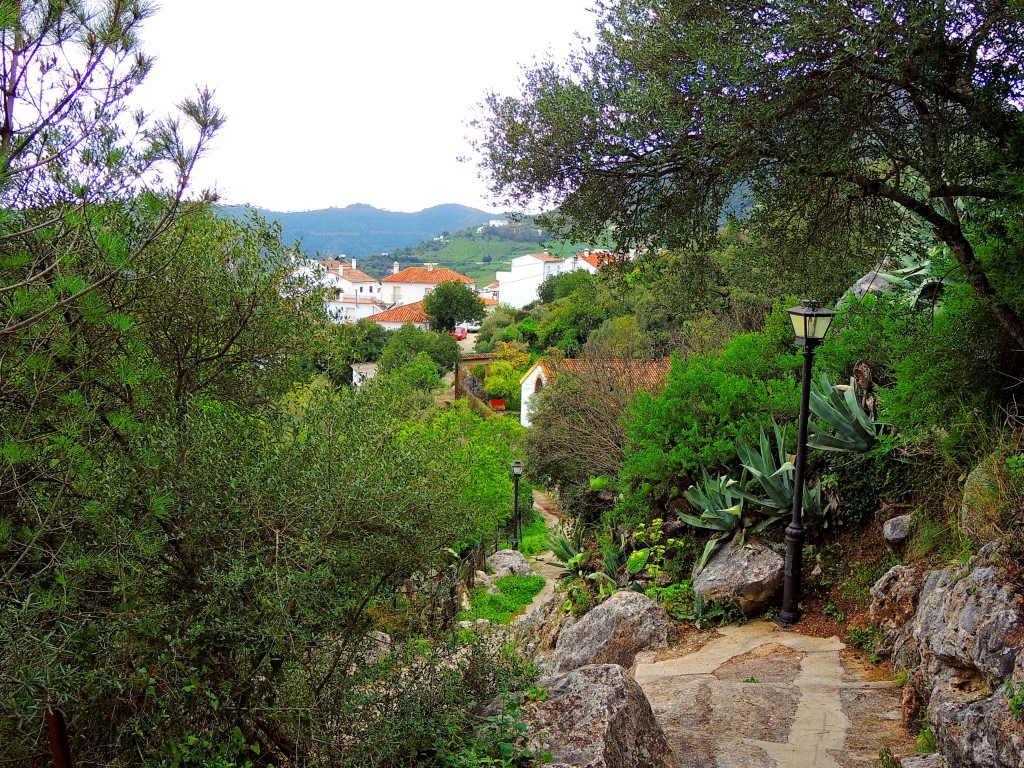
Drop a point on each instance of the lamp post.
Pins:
(810, 324)
(517, 470)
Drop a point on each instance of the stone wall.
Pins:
(958, 632)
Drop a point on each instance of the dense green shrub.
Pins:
(876, 329)
(954, 377)
(711, 400)
(407, 342)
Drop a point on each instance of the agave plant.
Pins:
(774, 473)
(848, 428)
(567, 551)
(720, 501)
(918, 277)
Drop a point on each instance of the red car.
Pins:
(460, 332)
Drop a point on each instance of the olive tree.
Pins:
(845, 115)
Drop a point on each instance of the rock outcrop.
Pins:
(924, 761)
(612, 633)
(894, 600)
(961, 647)
(749, 575)
(509, 562)
(597, 716)
(896, 530)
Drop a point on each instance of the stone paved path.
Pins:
(755, 696)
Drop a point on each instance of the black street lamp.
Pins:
(810, 324)
(517, 470)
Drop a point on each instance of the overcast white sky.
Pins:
(337, 102)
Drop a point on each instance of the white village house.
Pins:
(354, 294)
(412, 284)
(518, 287)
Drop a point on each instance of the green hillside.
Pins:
(359, 230)
(475, 253)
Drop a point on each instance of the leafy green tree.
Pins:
(345, 344)
(452, 302)
(560, 286)
(851, 115)
(120, 443)
(408, 341)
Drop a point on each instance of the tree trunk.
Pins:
(977, 279)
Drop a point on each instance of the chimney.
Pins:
(430, 267)
(353, 263)
(394, 268)
(586, 253)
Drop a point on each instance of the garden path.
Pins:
(544, 563)
(756, 696)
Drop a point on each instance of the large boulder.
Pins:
(597, 716)
(961, 647)
(509, 562)
(613, 633)
(538, 631)
(749, 575)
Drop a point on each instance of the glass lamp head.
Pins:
(811, 322)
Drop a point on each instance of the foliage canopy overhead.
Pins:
(847, 112)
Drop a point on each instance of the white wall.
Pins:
(527, 390)
(395, 326)
(405, 293)
(518, 287)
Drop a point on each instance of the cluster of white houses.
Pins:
(394, 301)
(398, 298)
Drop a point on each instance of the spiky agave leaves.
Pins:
(848, 428)
(720, 501)
(919, 278)
(774, 473)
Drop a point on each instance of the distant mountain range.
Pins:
(359, 230)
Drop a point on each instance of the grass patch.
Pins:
(864, 576)
(535, 533)
(514, 594)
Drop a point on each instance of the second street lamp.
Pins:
(810, 324)
(517, 470)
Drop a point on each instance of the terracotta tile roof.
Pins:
(488, 302)
(638, 374)
(426, 276)
(597, 259)
(407, 313)
(491, 287)
(331, 263)
(357, 275)
(545, 257)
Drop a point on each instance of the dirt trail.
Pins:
(544, 563)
